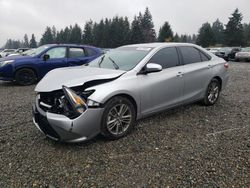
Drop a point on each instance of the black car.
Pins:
(228, 53)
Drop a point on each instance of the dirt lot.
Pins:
(192, 146)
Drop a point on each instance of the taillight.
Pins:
(226, 65)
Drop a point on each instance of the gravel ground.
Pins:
(191, 146)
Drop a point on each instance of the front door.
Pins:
(57, 58)
(163, 89)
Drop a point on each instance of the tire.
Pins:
(212, 93)
(25, 77)
(116, 123)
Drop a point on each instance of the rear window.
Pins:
(76, 52)
(193, 55)
(204, 57)
(90, 51)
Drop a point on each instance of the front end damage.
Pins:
(67, 114)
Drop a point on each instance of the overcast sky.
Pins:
(18, 17)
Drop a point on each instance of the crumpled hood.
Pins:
(74, 76)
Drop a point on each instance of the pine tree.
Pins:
(54, 33)
(218, 30)
(147, 26)
(206, 36)
(165, 33)
(66, 35)
(136, 32)
(33, 43)
(87, 37)
(246, 29)
(194, 38)
(176, 38)
(47, 37)
(234, 30)
(25, 41)
(183, 38)
(76, 35)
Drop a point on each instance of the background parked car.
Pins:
(18, 51)
(6, 52)
(228, 53)
(214, 50)
(26, 70)
(243, 55)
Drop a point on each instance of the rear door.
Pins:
(163, 89)
(77, 56)
(197, 72)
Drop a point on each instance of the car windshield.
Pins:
(123, 58)
(37, 51)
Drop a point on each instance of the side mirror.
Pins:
(151, 67)
(46, 57)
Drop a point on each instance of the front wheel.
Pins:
(25, 77)
(118, 118)
(212, 92)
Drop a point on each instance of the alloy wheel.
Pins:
(119, 119)
(213, 92)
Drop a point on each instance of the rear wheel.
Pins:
(212, 92)
(118, 118)
(25, 77)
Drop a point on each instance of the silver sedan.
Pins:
(126, 84)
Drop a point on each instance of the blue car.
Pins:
(27, 69)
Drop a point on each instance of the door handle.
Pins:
(179, 74)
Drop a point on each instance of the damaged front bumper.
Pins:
(61, 128)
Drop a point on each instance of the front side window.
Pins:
(76, 52)
(190, 54)
(55, 53)
(166, 57)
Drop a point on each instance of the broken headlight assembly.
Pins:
(77, 102)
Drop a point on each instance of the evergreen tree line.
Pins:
(111, 33)
(234, 33)
(26, 43)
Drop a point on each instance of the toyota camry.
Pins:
(128, 83)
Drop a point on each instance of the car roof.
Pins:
(72, 45)
(159, 44)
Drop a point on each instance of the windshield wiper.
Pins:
(101, 60)
(114, 63)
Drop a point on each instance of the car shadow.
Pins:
(99, 139)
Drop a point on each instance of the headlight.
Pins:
(77, 102)
(3, 63)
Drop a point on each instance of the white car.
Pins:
(214, 50)
(243, 55)
(6, 52)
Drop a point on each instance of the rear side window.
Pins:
(190, 55)
(76, 52)
(204, 57)
(90, 51)
(166, 57)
